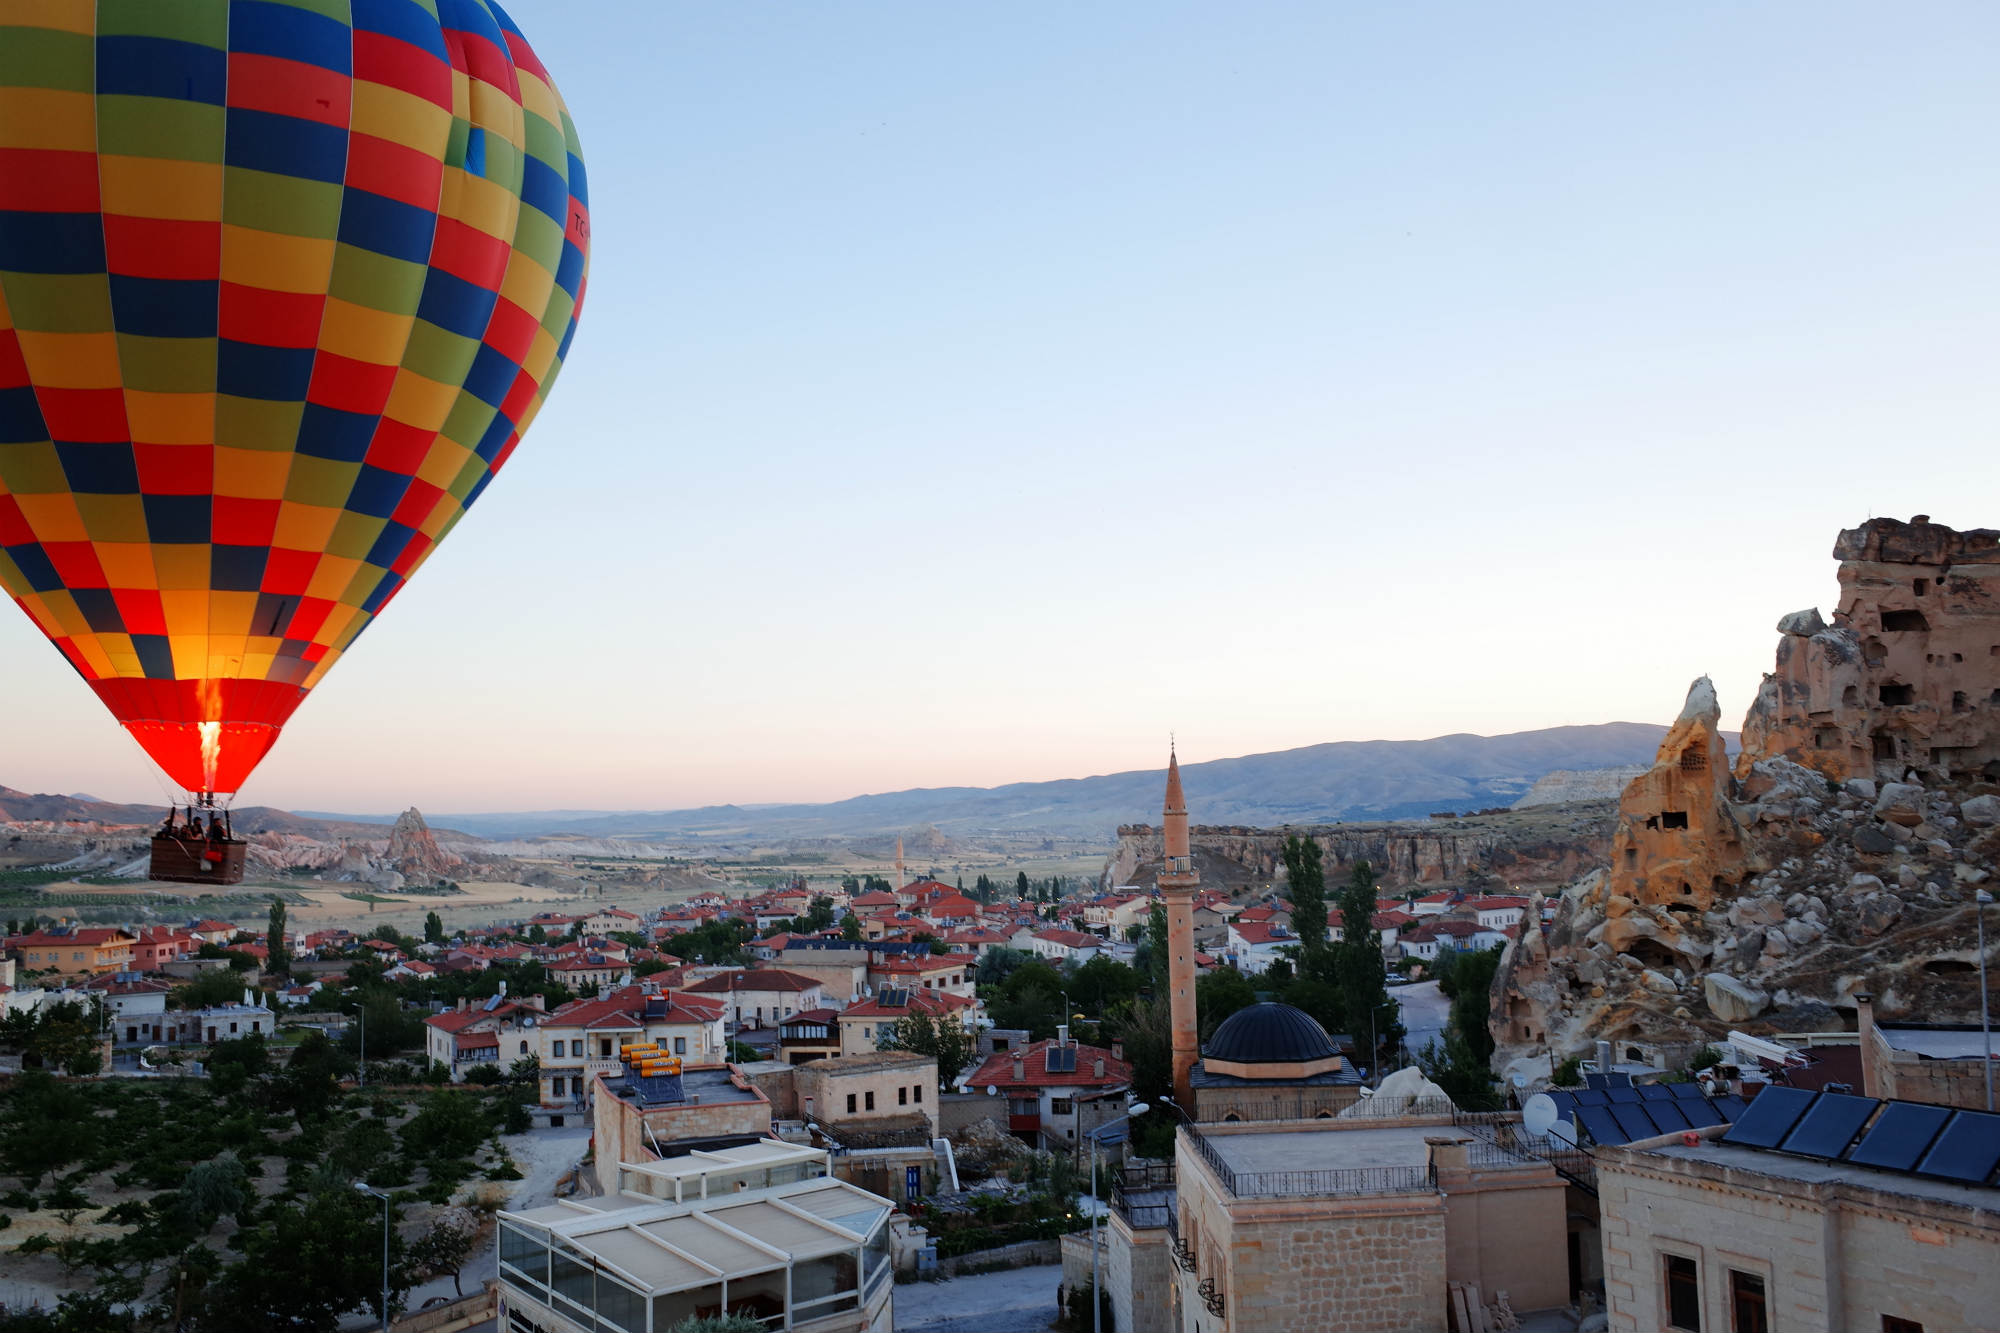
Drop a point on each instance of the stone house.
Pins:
(134, 1006)
(760, 997)
(1710, 1235)
(872, 1099)
(863, 1025)
(1042, 1082)
(581, 1039)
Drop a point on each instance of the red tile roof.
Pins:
(998, 1071)
(916, 1001)
(1070, 939)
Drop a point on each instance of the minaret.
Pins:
(900, 881)
(1177, 883)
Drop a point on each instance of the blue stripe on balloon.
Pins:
(290, 32)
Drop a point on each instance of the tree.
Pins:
(65, 1036)
(213, 1189)
(1000, 963)
(1307, 891)
(277, 953)
(940, 1036)
(1364, 986)
(433, 928)
(214, 986)
(1021, 889)
(1220, 993)
(819, 914)
(447, 1246)
(50, 1126)
(310, 1084)
(1466, 977)
(850, 927)
(1157, 953)
(305, 1267)
(234, 1064)
(450, 1124)
(1103, 983)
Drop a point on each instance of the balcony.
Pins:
(1024, 1124)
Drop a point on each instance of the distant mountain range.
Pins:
(1342, 780)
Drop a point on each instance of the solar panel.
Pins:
(1655, 1092)
(1899, 1136)
(1689, 1091)
(1830, 1125)
(1565, 1105)
(1596, 1082)
(1632, 1119)
(1700, 1112)
(1967, 1149)
(1591, 1097)
(1730, 1107)
(1622, 1095)
(1601, 1127)
(894, 998)
(1061, 1059)
(1770, 1117)
(1665, 1113)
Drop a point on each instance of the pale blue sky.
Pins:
(969, 394)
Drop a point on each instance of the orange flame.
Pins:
(211, 752)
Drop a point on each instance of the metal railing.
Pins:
(1183, 1256)
(1325, 1108)
(1211, 1297)
(1286, 1184)
(1499, 1136)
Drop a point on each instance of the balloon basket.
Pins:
(187, 861)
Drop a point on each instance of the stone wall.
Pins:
(1139, 1274)
(1833, 1255)
(618, 1128)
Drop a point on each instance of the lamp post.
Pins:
(1374, 1045)
(366, 1188)
(1096, 1302)
(1980, 898)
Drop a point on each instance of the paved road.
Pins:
(1022, 1300)
(1425, 1013)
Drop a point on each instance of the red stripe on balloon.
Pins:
(47, 180)
(289, 88)
(162, 248)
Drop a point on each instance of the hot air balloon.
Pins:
(282, 283)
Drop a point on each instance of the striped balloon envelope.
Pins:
(282, 283)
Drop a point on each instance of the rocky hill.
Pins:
(1839, 854)
(1342, 780)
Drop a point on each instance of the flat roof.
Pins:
(659, 1246)
(1323, 1148)
(1936, 1043)
(1812, 1171)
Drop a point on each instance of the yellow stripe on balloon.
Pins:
(159, 187)
(275, 262)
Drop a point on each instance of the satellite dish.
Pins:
(1539, 1114)
(1563, 1131)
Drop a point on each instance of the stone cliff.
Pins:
(1767, 896)
(1548, 846)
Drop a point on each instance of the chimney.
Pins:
(462, 1002)
(1603, 1057)
(503, 985)
(1062, 1034)
(1098, 1069)
(1118, 1048)
(1020, 1070)
(1864, 1013)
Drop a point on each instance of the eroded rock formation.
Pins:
(1767, 896)
(414, 853)
(1906, 680)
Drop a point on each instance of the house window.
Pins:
(1062, 1106)
(868, 1034)
(870, 1095)
(1683, 1293)
(555, 1087)
(604, 1048)
(680, 1045)
(1891, 1324)
(1748, 1312)
(850, 1103)
(524, 1048)
(902, 1096)
(919, 1094)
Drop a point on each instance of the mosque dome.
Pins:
(1270, 1041)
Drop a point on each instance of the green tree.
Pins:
(940, 1036)
(219, 1187)
(49, 1126)
(850, 927)
(1021, 889)
(1157, 953)
(1364, 988)
(310, 1084)
(1218, 994)
(819, 914)
(451, 1124)
(277, 953)
(305, 1267)
(65, 1036)
(433, 928)
(1463, 1075)
(234, 1065)
(1307, 891)
(1103, 984)
(216, 985)
(1466, 976)
(999, 963)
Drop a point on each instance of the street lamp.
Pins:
(1096, 1301)
(366, 1188)
(1980, 898)
(1375, 1045)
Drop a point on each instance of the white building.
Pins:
(1063, 946)
(760, 997)
(761, 1230)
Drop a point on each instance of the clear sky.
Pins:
(975, 393)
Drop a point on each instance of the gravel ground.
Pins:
(1022, 1300)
